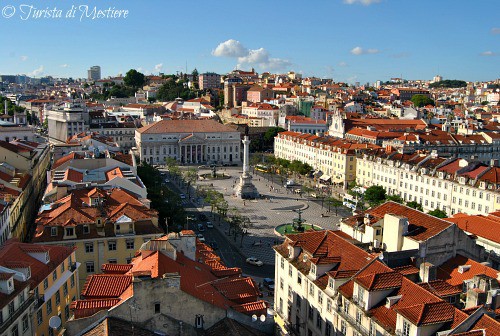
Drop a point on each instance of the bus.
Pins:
(262, 168)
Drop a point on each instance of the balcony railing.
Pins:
(352, 322)
(12, 318)
(358, 301)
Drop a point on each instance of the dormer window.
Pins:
(330, 283)
(53, 231)
(313, 269)
(86, 229)
(70, 231)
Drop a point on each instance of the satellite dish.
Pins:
(55, 322)
(262, 318)
(254, 318)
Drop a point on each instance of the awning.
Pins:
(325, 178)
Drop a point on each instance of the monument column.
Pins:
(245, 188)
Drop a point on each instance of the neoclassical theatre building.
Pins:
(188, 141)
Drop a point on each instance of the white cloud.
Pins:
(488, 53)
(260, 57)
(342, 64)
(255, 56)
(64, 65)
(495, 30)
(38, 71)
(24, 58)
(363, 2)
(361, 51)
(158, 67)
(230, 48)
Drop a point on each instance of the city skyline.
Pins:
(347, 40)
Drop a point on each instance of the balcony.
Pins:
(358, 302)
(72, 267)
(12, 318)
(352, 322)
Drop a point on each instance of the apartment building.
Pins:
(335, 158)
(449, 184)
(76, 171)
(22, 180)
(105, 226)
(485, 228)
(122, 134)
(482, 146)
(173, 279)
(188, 141)
(326, 286)
(379, 300)
(38, 282)
(209, 80)
(65, 120)
(309, 269)
(394, 228)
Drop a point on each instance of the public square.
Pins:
(276, 207)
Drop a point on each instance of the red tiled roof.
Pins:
(106, 285)
(185, 126)
(479, 225)
(428, 313)
(380, 281)
(85, 308)
(487, 323)
(14, 253)
(421, 226)
(440, 288)
(449, 270)
(115, 268)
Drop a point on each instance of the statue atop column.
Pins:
(245, 188)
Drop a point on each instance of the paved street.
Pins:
(265, 214)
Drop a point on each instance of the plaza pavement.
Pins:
(265, 214)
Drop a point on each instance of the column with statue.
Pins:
(245, 189)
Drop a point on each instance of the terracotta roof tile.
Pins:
(449, 270)
(106, 285)
(185, 126)
(421, 226)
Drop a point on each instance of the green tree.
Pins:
(395, 198)
(270, 134)
(173, 89)
(134, 78)
(195, 75)
(415, 205)
(485, 102)
(438, 213)
(334, 203)
(164, 200)
(448, 83)
(374, 195)
(421, 100)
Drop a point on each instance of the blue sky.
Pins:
(348, 40)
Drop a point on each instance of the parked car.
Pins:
(200, 237)
(182, 196)
(201, 228)
(209, 225)
(254, 261)
(268, 283)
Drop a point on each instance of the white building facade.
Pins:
(188, 141)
